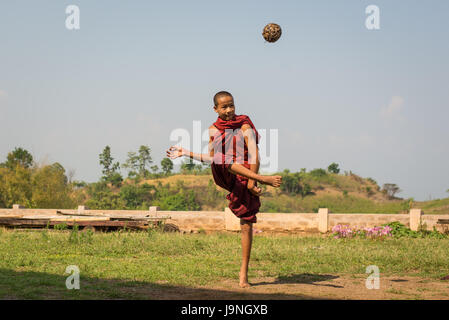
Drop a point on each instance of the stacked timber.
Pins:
(83, 220)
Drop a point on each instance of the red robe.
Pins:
(242, 203)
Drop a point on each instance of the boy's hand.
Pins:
(255, 190)
(175, 152)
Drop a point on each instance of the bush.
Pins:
(399, 231)
(102, 197)
(50, 188)
(183, 201)
(333, 168)
(318, 173)
(292, 183)
(136, 197)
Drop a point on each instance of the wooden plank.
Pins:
(118, 216)
(80, 214)
(44, 222)
(67, 218)
(6, 215)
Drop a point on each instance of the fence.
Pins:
(323, 221)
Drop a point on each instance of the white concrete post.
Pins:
(154, 210)
(232, 223)
(323, 220)
(81, 209)
(415, 219)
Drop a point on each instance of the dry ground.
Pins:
(313, 287)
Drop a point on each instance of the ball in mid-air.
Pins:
(272, 32)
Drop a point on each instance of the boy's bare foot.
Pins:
(244, 282)
(274, 181)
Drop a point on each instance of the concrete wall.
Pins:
(273, 222)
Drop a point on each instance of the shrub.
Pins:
(136, 196)
(398, 230)
(318, 173)
(333, 168)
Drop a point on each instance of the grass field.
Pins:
(145, 265)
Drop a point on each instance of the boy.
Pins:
(234, 169)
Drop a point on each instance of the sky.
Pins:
(374, 101)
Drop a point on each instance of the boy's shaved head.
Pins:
(221, 94)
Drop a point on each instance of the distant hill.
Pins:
(306, 192)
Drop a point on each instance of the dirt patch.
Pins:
(345, 287)
(307, 286)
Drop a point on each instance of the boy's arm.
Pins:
(175, 151)
(253, 152)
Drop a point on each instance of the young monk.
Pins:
(234, 168)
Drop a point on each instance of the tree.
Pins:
(15, 187)
(20, 157)
(144, 160)
(137, 196)
(333, 168)
(101, 197)
(115, 179)
(50, 188)
(187, 166)
(154, 168)
(318, 173)
(132, 164)
(109, 167)
(391, 189)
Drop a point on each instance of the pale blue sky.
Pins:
(376, 102)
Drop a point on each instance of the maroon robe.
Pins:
(242, 202)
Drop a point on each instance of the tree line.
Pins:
(24, 182)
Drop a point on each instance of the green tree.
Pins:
(20, 157)
(167, 165)
(137, 196)
(50, 188)
(115, 179)
(333, 168)
(154, 168)
(110, 169)
(101, 197)
(144, 160)
(391, 189)
(318, 173)
(132, 164)
(15, 187)
(187, 166)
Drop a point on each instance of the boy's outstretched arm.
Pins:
(175, 152)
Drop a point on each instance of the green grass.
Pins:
(437, 206)
(336, 204)
(117, 264)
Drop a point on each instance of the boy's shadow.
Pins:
(305, 278)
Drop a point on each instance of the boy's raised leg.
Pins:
(274, 181)
(247, 239)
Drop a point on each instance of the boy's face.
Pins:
(225, 107)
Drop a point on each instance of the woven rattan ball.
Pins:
(272, 32)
